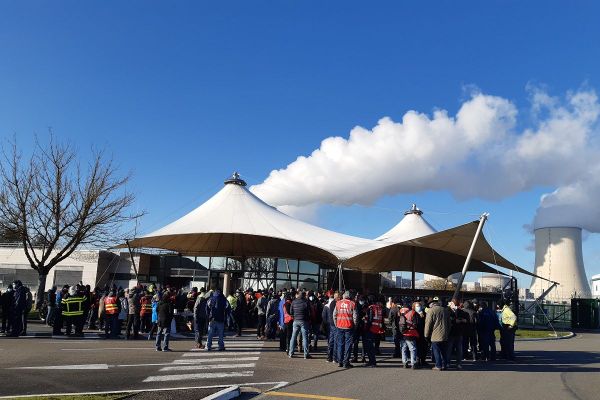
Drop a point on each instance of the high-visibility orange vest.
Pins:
(146, 303)
(110, 305)
(286, 316)
(377, 322)
(345, 314)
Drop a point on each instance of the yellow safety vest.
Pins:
(508, 317)
(73, 306)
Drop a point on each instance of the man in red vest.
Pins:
(346, 319)
(373, 327)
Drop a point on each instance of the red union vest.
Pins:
(411, 329)
(377, 323)
(110, 305)
(345, 314)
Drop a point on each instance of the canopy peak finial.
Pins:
(414, 210)
(235, 180)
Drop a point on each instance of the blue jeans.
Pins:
(439, 353)
(166, 331)
(454, 342)
(303, 327)
(215, 328)
(332, 344)
(344, 345)
(409, 346)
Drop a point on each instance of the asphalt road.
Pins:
(562, 369)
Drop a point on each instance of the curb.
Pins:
(228, 393)
(569, 336)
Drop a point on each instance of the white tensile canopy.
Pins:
(236, 223)
(413, 225)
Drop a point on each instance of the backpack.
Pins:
(402, 325)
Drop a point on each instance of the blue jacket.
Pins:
(154, 311)
(217, 307)
(281, 316)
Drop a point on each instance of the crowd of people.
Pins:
(422, 329)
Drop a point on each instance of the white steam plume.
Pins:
(479, 152)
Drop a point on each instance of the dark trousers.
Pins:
(146, 322)
(438, 351)
(508, 343)
(422, 347)
(133, 321)
(487, 345)
(332, 344)
(239, 321)
(5, 321)
(17, 323)
(397, 338)
(24, 316)
(199, 328)
(111, 325)
(470, 345)
(260, 325)
(345, 338)
(369, 347)
(359, 335)
(57, 323)
(93, 317)
(314, 331)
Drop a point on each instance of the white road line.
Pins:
(62, 367)
(207, 366)
(221, 353)
(204, 375)
(209, 360)
(277, 385)
(111, 348)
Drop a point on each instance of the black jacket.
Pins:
(165, 313)
(300, 310)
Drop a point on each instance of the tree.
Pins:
(52, 204)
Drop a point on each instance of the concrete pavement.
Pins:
(562, 369)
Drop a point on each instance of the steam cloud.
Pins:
(483, 151)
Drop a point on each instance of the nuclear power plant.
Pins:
(559, 258)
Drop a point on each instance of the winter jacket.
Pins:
(20, 299)
(200, 308)
(165, 313)
(330, 308)
(261, 305)
(300, 310)
(155, 311)
(134, 303)
(218, 307)
(458, 322)
(437, 323)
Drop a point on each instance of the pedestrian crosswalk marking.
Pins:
(238, 361)
(207, 366)
(204, 375)
(227, 353)
(209, 360)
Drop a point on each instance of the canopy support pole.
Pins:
(482, 220)
(340, 279)
(132, 262)
(412, 260)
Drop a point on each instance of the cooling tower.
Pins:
(559, 258)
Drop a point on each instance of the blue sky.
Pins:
(185, 92)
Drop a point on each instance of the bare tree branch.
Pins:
(53, 205)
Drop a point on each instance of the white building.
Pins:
(596, 286)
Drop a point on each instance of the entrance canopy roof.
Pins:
(438, 254)
(236, 223)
